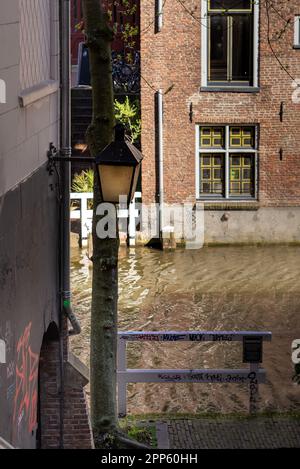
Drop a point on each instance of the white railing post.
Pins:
(121, 377)
(133, 215)
(131, 230)
(84, 215)
(84, 231)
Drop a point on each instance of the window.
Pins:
(226, 161)
(35, 42)
(297, 32)
(229, 43)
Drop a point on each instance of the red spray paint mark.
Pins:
(25, 400)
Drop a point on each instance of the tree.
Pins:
(105, 251)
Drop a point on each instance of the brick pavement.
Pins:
(221, 433)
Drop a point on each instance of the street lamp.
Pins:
(118, 167)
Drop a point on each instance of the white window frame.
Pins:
(204, 47)
(297, 32)
(225, 151)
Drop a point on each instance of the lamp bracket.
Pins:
(51, 154)
(63, 155)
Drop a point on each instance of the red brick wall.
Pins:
(173, 57)
(118, 43)
(67, 400)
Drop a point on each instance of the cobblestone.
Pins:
(220, 433)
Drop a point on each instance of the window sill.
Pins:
(230, 89)
(37, 92)
(241, 205)
(296, 46)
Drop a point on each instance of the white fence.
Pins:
(86, 216)
(83, 214)
(252, 354)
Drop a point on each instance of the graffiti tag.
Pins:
(10, 370)
(25, 400)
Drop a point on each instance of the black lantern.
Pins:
(118, 168)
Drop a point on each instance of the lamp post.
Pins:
(118, 167)
(117, 170)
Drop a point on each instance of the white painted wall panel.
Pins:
(29, 54)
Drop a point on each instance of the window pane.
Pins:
(242, 48)
(242, 137)
(218, 48)
(241, 174)
(230, 5)
(211, 174)
(212, 137)
(297, 31)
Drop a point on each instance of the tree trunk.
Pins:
(105, 252)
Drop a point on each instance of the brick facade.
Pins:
(62, 394)
(172, 57)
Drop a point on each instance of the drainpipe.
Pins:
(66, 151)
(161, 159)
(159, 14)
(64, 216)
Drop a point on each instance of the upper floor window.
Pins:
(35, 42)
(229, 43)
(297, 32)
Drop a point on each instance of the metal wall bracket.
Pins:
(51, 154)
(57, 155)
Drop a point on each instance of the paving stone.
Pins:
(261, 432)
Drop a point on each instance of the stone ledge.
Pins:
(37, 92)
(237, 206)
(229, 89)
(77, 373)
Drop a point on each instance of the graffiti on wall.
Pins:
(26, 391)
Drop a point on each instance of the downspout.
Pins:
(161, 160)
(64, 216)
(159, 15)
(66, 151)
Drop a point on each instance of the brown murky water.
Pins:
(230, 288)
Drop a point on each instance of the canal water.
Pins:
(215, 288)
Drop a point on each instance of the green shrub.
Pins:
(128, 114)
(83, 182)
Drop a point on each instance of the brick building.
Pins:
(119, 18)
(229, 135)
(42, 401)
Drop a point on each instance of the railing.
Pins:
(252, 354)
(132, 214)
(86, 216)
(83, 214)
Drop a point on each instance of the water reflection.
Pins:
(211, 289)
